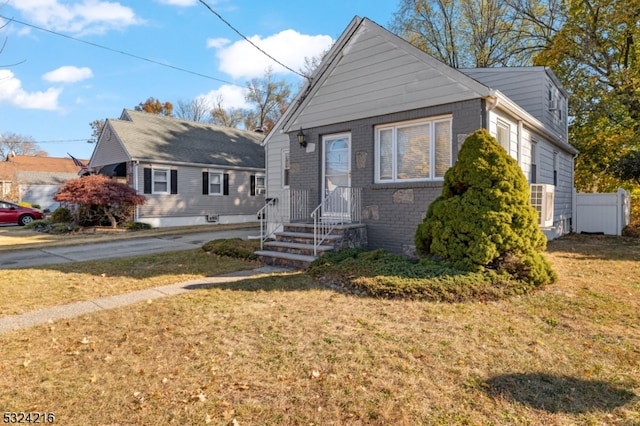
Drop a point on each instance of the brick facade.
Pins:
(391, 211)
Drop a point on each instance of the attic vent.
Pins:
(542, 197)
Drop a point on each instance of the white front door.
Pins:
(336, 173)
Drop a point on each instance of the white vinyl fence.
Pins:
(602, 213)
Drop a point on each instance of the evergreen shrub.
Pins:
(483, 220)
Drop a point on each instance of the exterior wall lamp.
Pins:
(301, 138)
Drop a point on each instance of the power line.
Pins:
(204, 3)
(116, 50)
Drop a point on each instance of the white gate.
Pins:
(602, 213)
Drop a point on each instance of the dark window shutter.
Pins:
(253, 185)
(147, 180)
(174, 181)
(225, 184)
(205, 183)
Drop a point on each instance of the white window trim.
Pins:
(506, 126)
(221, 174)
(263, 186)
(432, 157)
(167, 173)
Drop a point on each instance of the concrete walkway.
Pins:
(72, 310)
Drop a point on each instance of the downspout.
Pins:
(519, 142)
(492, 102)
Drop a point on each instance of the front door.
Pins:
(336, 179)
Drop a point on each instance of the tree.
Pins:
(269, 98)
(222, 116)
(197, 109)
(596, 55)
(11, 143)
(478, 33)
(113, 199)
(96, 130)
(483, 219)
(154, 106)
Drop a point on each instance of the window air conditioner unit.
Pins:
(542, 198)
(261, 191)
(213, 218)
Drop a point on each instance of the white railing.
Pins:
(342, 205)
(288, 205)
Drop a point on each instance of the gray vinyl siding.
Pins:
(109, 150)
(391, 211)
(189, 201)
(380, 75)
(529, 88)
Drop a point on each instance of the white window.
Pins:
(260, 185)
(503, 135)
(216, 180)
(285, 168)
(161, 181)
(413, 151)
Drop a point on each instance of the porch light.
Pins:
(301, 139)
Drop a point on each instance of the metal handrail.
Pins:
(262, 217)
(345, 205)
(285, 206)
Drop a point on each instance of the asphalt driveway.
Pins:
(114, 249)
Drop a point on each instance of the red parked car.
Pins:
(14, 214)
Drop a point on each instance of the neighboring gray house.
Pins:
(382, 121)
(190, 173)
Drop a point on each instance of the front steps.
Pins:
(293, 247)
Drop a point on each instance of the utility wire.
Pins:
(204, 3)
(116, 50)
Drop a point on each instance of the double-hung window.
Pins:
(413, 151)
(215, 183)
(161, 179)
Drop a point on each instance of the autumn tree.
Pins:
(227, 117)
(597, 57)
(12, 143)
(154, 106)
(115, 200)
(96, 130)
(479, 33)
(269, 99)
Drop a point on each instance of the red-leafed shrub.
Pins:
(114, 200)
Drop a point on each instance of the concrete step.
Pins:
(274, 258)
(301, 237)
(296, 248)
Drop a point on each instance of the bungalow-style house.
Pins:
(363, 148)
(190, 173)
(35, 179)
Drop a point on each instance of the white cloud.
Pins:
(11, 92)
(241, 60)
(86, 16)
(232, 96)
(217, 43)
(68, 74)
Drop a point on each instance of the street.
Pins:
(114, 249)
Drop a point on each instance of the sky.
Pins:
(66, 63)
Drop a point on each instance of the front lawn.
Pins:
(284, 350)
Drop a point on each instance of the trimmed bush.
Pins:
(484, 218)
(234, 247)
(61, 215)
(136, 226)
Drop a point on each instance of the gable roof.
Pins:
(379, 71)
(38, 169)
(155, 138)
